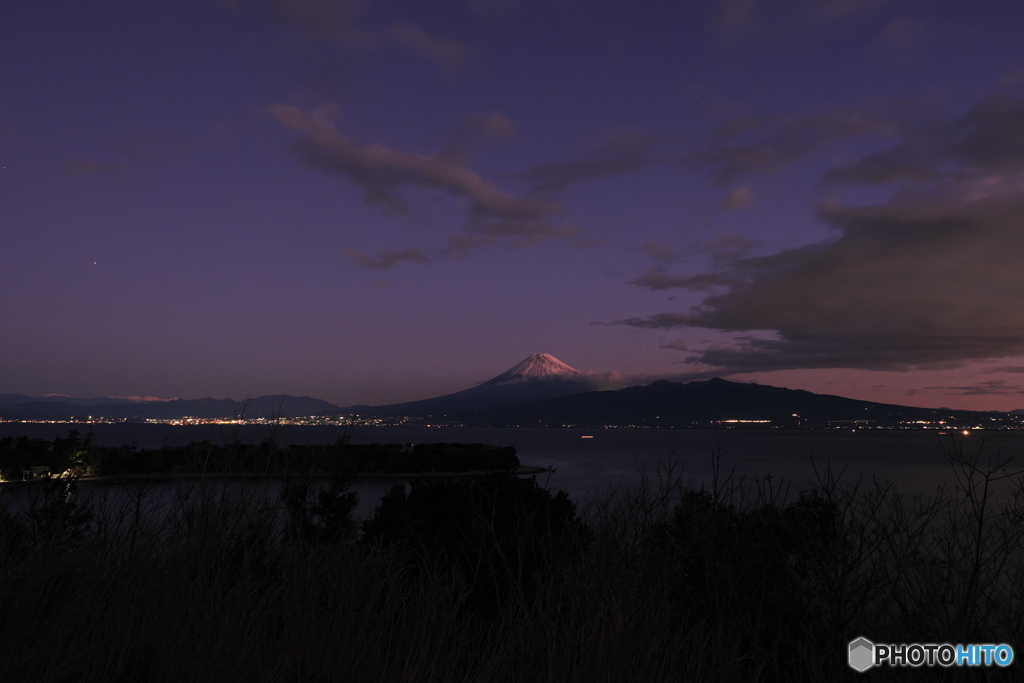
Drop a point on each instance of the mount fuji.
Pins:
(538, 377)
(536, 367)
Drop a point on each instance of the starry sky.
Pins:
(373, 201)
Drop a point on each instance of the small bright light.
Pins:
(966, 432)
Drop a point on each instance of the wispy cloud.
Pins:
(483, 231)
(474, 128)
(383, 173)
(449, 54)
(386, 259)
(749, 145)
(740, 198)
(759, 17)
(86, 167)
(332, 20)
(493, 8)
(660, 252)
(659, 278)
(901, 39)
(996, 387)
(620, 153)
(141, 145)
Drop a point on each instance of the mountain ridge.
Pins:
(716, 401)
(539, 390)
(537, 377)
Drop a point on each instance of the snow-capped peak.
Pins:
(537, 366)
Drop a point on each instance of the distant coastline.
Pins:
(522, 470)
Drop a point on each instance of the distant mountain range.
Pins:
(544, 391)
(7, 400)
(539, 391)
(711, 402)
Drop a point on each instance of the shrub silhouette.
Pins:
(750, 571)
(500, 533)
(60, 519)
(323, 515)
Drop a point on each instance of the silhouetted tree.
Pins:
(501, 533)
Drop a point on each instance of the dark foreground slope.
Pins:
(498, 579)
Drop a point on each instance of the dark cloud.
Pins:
(728, 246)
(721, 249)
(385, 259)
(675, 345)
(85, 167)
(748, 145)
(988, 139)
(620, 153)
(659, 321)
(659, 278)
(907, 284)
(929, 278)
(445, 53)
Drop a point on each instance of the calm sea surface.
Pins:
(912, 459)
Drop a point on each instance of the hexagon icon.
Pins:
(861, 654)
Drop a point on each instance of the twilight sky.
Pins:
(371, 201)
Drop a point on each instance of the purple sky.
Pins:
(376, 201)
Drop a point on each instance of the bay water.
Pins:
(587, 462)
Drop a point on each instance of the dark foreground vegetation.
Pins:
(497, 579)
(20, 457)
